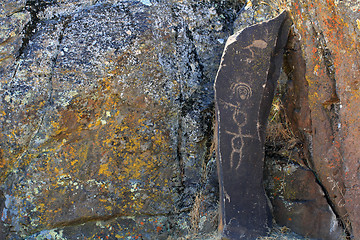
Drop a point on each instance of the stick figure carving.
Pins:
(244, 92)
(237, 141)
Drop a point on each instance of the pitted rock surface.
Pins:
(106, 114)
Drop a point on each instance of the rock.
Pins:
(244, 89)
(254, 12)
(297, 199)
(300, 202)
(106, 117)
(3, 228)
(328, 33)
(106, 113)
(13, 23)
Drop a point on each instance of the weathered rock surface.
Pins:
(244, 89)
(328, 32)
(322, 69)
(297, 199)
(106, 116)
(13, 23)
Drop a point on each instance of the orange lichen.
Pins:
(113, 141)
(341, 46)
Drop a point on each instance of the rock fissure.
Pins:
(193, 54)
(67, 20)
(33, 7)
(272, 152)
(48, 106)
(325, 52)
(341, 221)
(329, 107)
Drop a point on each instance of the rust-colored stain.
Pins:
(333, 152)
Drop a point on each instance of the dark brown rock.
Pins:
(328, 33)
(298, 201)
(244, 90)
(298, 113)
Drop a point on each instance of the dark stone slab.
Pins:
(244, 90)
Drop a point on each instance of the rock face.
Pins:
(244, 89)
(321, 68)
(298, 200)
(328, 33)
(106, 116)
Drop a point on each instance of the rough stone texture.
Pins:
(328, 32)
(244, 89)
(297, 199)
(75, 75)
(254, 12)
(106, 117)
(320, 103)
(288, 164)
(13, 21)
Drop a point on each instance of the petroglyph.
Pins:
(237, 141)
(335, 185)
(255, 44)
(242, 89)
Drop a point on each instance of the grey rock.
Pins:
(106, 114)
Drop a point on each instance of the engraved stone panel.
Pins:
(244, 89)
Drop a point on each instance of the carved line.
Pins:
(341, 202)
(234, 149)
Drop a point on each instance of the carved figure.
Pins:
(242, 89)
(256, 44)
(237, 140)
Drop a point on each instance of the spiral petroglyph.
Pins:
(243, 90)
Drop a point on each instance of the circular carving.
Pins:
(243, 90)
